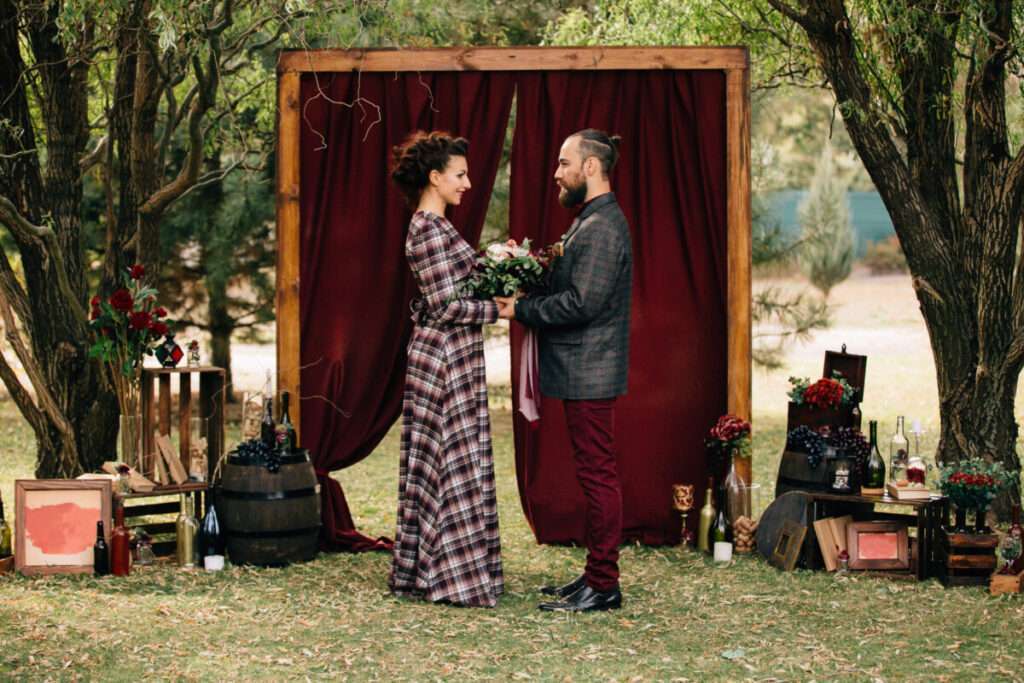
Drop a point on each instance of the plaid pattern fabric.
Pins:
(446, 543)
(583, 317)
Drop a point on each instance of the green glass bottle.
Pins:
(5, 533)
(874, 477)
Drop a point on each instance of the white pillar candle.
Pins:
(723, 551)
(213, 563)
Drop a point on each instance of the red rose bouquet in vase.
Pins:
(126, 327)
(728, 440)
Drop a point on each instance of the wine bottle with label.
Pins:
(267, 431)
(285, 429)
(100, 552)
(899, 455)
(120, 551)
(211, 535)
(874, 477)
(5, 533)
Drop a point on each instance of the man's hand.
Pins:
(506, 306)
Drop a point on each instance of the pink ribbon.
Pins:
(529, 377)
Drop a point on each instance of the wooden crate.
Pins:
(156, 412)
(1006, 583)
(966, 559)
(164, 532)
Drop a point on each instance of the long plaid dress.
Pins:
(446, 542)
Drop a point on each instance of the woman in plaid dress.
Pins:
(446, 541)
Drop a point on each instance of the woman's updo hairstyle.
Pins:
(421, 153)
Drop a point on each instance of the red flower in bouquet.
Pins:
(728, 433)
(122, 300)
(825, 393)
(124, 330)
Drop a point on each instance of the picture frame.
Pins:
(787, 545)
(55, 524)
(878, 545)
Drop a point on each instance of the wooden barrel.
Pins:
(270, 518)
(796, 474)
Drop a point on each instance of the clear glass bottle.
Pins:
(737, 496)
(899, 455)
(186, 527)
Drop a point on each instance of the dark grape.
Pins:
(806, 440)
(257, 452)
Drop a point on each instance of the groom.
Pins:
(583, 326)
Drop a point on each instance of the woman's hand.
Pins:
(506, 306)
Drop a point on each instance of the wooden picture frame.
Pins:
(55, 524)
(788, 545)
(878, 545)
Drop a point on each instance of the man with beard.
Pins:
(583, 325)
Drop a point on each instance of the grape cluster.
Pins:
(853, 443)
(256, 451)
(806, 440)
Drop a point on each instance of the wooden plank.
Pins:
(212, 406)
(164, 413)
(184, 416)
(288, 324)
(514, 59)
(738, 241)
(148, 422)
(150, 509)
(971, 561)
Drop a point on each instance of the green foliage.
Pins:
(826, 255)
(885, 256)
(974, 482)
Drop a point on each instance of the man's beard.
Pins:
(571, 197)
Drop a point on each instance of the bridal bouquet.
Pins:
(504, 268)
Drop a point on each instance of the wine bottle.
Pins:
(285, 428)
(5, 533)
(720, 532)
(707, 518)
(899, 455)
(267, 432)
(100, 552)
(875, 475)
(185, 527)
(120, 553)
(211, 535)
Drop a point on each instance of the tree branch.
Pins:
(93, 157)
(23, 399)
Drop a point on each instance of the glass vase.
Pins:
(129, 442)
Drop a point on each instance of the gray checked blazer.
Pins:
(583, 317)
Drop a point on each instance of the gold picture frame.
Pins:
(787, 546)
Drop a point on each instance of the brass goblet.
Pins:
(682, 502)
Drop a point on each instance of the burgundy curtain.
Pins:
(670, 182)
(355, 283)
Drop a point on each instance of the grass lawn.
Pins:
(683, 619)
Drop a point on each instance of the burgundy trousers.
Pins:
(591, 426)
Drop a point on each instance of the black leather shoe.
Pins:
(586, 599)
(566, 590)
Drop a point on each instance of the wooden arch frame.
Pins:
(734, 61)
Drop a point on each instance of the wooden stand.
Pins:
(1006, 583)
(156, 412)
(927, 516)
(966, 559)
(132, 513)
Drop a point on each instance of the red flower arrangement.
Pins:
(728, 433)
(825, 393)
(126, 327)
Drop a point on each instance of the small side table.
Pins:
(927, 515)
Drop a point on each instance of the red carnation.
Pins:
(139, 320)
(95, 313)
(95, 301)
(159, 312)
(137, 271)
(158, 328)
(122, 300)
